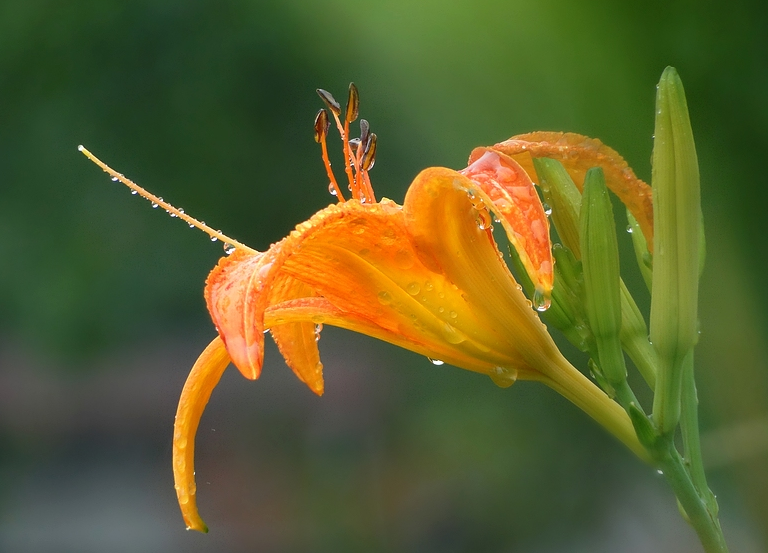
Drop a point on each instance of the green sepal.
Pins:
(643, 256)
(564, 198)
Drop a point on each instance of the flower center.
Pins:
(359, 153)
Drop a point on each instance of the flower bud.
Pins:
(564, 198)
(677, 240)
(600, 261)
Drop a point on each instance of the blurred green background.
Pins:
(210, 104)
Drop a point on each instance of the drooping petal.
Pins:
(203, 378)
(578, 154)
(235, 292)
(297, 341)
(438, 195)
(518, 207)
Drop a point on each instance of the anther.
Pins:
(369, 153)
(330, 101)
(365, 131)
(353, 103)
(322, 124)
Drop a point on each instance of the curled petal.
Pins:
(203, 378)
(515, 201)
(235, 300)
(578, 154)
(438, 195)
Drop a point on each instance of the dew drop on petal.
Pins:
(384, 297)
(541, 301)
(503, 377)
(437, 362)
(413, 288)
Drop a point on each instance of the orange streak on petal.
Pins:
(203, 378)
(514, 200)
(578, 154)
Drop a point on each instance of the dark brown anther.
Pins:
(353, 103)
(369, 153)
(330, 101)
(365, 131)
(322, 124)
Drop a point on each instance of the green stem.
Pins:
(703, 521)
(689, 427)
(565, 379)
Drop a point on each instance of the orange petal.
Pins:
(203, 378)
(360, 259)
(236, 301)
(297, 341)
(516, 203)
(469, 257)
(578, 154)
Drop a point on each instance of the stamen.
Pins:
(157, 201)
(366, 163)
(322, 124)
(359, 152)
(335, 108)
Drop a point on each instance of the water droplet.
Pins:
(154, 205)
(184, 499)
(483, 219)
(428, 286)
(230, 250)
(173, 215)
(213, 239)
(440, 309)
(453, 314)
(331, 189)
(437, 362)
(384, 297)
(503, 377)
(541, 300)
(134, 192)
(547, 209)
(660, 472)
(413, 288)
(629, 229)
(318, 330)
(191, 225)
(115, 179)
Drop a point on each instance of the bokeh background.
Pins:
(210, 104)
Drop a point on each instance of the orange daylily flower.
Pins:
(426, 276)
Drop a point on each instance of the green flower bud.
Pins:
(677, 240)
(564, 199)
(600, 261)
